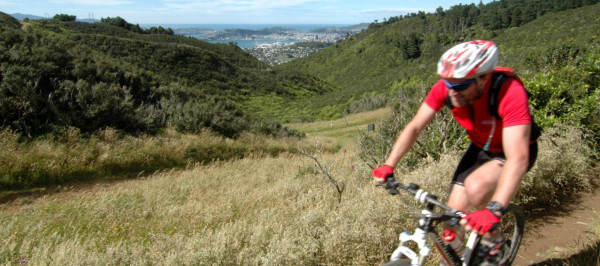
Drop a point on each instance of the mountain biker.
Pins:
(500, 152)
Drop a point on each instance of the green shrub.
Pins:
(569, 95)
(441, 136)
(8, 20)
(554, 56)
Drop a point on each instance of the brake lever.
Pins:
(391, 189)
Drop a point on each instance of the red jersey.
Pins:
(513, 108)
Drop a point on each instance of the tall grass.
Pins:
(249, 211)
(254, 210)
(73, 157)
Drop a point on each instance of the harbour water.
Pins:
(247, 43)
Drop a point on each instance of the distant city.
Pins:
(274, 44)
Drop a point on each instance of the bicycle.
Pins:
(511, 228)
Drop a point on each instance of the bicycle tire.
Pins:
(512, 227)
(400, 262)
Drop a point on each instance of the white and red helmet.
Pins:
(468, 59)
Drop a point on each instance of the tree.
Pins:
(118, 21)
(64, 17)
(410, 45)
(440, 11)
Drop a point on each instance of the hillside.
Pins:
(172, 80)
(245, 199)
(92, 76)
(60, 79)
(401, 53)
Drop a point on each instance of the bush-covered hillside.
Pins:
(57, 74)
(401, 53)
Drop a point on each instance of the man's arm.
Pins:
(515, 142)
(409, 135)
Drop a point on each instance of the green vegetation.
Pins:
(59, 74)
(402, 52)
(120, 22)
(66, 76)
(64, 17)
(86, 101)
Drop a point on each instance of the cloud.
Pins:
(94, 2)
(398, 10)
(8, 3)
(233, 5)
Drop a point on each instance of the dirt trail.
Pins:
(560, 235)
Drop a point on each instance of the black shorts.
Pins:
(475, 157)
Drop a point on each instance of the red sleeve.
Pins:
(437, 96)
(514, 106)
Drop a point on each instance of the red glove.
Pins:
(482, 221)
(382, 173)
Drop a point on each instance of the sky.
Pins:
(164, 12)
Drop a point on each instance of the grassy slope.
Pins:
(366, 64)
(269, 210)
(343, 131)
(251, 211)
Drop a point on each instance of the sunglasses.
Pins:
(458, 87)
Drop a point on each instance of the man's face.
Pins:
(465, 95)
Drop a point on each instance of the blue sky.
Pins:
(230, 11)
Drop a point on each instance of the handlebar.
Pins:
(421, 195)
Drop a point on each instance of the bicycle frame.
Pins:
(404, 254)
(426, 231)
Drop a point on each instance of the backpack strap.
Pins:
(497, 80)
(448, 102)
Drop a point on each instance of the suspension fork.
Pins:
(403, 252)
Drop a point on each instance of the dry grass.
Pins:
(72, 157)
(257, 210)
(345, 130)
(342, 123)
(564, 167)
(273, 210)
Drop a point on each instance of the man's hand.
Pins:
(481, 221)
(382, 173)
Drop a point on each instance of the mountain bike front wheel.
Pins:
(511, 227)
(400, 262)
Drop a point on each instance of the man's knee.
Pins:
(479, 190)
